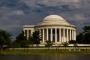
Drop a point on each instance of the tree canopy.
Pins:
(5, 39)
(84, 37)
(36, 37)
(72, 42)
(21, 40)
(49, 43)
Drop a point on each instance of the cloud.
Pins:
(75, 1)
(45, 1)
(51, 2)
(16, 12)
(24, 12)
(79, 17)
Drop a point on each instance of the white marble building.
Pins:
(54, 28)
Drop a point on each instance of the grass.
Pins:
(45, 52)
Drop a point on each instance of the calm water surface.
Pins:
(44, 57)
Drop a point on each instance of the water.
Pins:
(37, 57)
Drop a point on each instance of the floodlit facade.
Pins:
(54, 28)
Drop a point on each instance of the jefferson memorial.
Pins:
(54, 28)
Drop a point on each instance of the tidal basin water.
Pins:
(38, 57)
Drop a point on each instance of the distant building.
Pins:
(54, 28)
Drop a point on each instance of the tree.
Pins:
(65, 44)
(36, 37)
(84, 37)
(21, 41)
(49, 43)
(86, 28)
(30, 41)
(72, 42)
(80, 38)
(5, 39)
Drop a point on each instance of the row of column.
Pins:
(27, 33)
(57, 34)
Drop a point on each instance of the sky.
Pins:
(16, 13)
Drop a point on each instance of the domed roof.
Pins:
(54, 20)
(52, 17)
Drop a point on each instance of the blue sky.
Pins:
(16, 13)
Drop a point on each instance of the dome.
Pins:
(52, 17)
(54, 20)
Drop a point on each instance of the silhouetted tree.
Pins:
(84, 37)
(30, 41)
(80, 38)
(86, 29)
(65, 44)
(21, 41)
(36, 38)
(72, 42)
(5, 39)
(49, 43)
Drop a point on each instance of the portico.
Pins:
(57, 34)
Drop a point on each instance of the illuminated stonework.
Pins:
(54, 28)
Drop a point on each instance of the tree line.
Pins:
(22, 41)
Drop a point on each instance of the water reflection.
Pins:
(37, 57)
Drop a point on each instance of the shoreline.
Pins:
(46, 51)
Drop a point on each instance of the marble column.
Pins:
(74, 35)
(55, 35)
(47, 34)
(70, 34)
(63, 35)
(40, 32)
(51, 34)
(67, 35)
(27, 34)
(43, 36)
